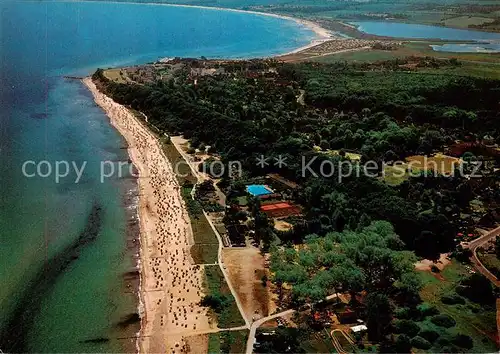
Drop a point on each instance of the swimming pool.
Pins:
(258, 189)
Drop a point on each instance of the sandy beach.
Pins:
(171, 285)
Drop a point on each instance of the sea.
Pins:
(68, 226)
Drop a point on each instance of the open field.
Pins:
(397, 174)
(472, 319)
(244, 266)
(318, 342)
(213, 343)
(407, 49)
(197, 344)
(393, 176)
(116, 75)
(350, 155)
(466, 21)
(227, 342)
(490, 261)
(440, 163)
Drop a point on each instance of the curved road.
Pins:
(477, 243)
(258, 323)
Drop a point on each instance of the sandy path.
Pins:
(171, 285)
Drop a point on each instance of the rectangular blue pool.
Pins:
(258, 189)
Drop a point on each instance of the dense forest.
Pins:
(383, 112)
(358, 234)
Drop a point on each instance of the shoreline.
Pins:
(169, 311)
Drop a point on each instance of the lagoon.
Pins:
(484, 41)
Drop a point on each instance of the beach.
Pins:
(171, 286)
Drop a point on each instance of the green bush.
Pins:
(443, 321)
(407, 327)
(402, 344)
(426, 309)
(452, 299)
(477, 288)
(429, 334)
(216, 302)
(442, 342)
(420, 343)
(403, 313)
(463, 341)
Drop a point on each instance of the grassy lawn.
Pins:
(474, 320)
(228, 342)
(466, 21)
(423, 48)
(393, 175)
(115, 75)
(214, 343)
(440, 163)
(184, 171)
(490, 261)
(243, 200)
(350, 155)
(477, 69)
(216, 285)
(318, 342)
(361, 56)
(204, 254)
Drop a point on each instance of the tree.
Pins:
(463, 341)
(443, 320)
(420, 343)
(407, 327)
(378, 315)
(469, 157)
(477, 288)
(429, 334)
(216, 302)
(402, 344)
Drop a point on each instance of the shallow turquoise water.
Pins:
(485, 41)
(45, 117)
(467, 48)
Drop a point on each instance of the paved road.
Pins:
(258, 323)
(219, 238)
(477, 243)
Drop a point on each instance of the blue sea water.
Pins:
(45, 117)
(483, 41)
